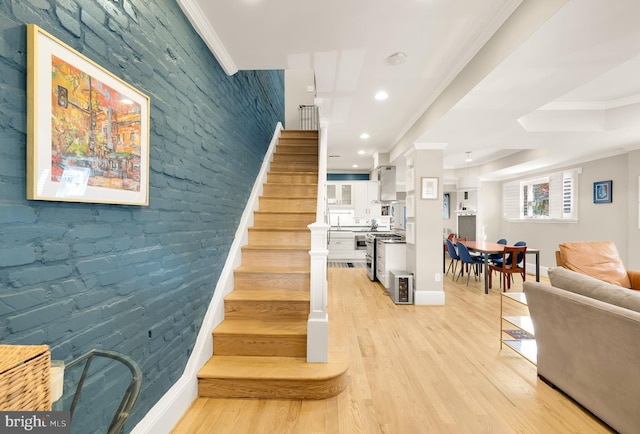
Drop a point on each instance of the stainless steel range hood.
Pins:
(386, 183)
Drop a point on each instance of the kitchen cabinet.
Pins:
(342, 247)
(365, 196)
(390, 256)
(340, 194)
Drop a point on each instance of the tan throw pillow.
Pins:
(598, 259)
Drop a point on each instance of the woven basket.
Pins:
(24, 378)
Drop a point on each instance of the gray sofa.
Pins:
(588, 337)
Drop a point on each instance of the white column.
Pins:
(424, 244)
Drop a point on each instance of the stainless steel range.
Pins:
(370, 258)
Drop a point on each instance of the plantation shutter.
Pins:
(511, 200)
(570, 194)
(555, 195)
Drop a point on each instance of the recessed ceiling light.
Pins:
(396, 59)
(382, 95)
(364, 136)
(355, 166)
(361, 152)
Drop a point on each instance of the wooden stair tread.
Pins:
(296, 154)
(297, 149)
(288, 198)
(261, 327)
(296, 184)
(280, 172)
(270, 367)
(292, 199)
(285, 212)
(286, 248)
(272, 269)
(282, 228)
(267, 295)
(303, 200)
(295, 166)
(270, 289)
(292, 183)
(292, 132)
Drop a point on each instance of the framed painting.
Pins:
(429, 188)
(446, 204)
(87, 130)
(602, 192)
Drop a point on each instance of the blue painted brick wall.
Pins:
(131, 279)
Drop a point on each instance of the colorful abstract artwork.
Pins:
(95, 127)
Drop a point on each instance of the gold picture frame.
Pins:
(87, 130)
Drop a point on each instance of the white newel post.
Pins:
(318, 323)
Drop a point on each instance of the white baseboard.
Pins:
(166, 413)
(424, 298)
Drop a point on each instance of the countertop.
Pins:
(392, 241)
(359, 229)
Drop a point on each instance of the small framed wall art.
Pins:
(87, 130)
(429, 188)
(602, 192)
(446, 211)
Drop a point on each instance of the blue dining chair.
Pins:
(466, 258)
(497, 256)
(498, 260)
(455, 258)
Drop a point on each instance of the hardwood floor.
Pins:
(413, 369)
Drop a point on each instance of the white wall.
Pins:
(489, 212)
(633, 233)
(296, 93)
(424, 258)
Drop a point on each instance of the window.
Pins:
(551, 197)
(535, 198)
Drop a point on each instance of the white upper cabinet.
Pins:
(359, 196)
(340, 194)
(366, 194)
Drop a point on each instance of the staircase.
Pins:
(259, 350)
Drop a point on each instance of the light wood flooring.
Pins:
(413, 369)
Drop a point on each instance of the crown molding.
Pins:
(196, 17)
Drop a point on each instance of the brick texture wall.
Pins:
(131, 279)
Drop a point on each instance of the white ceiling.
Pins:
(521, 84)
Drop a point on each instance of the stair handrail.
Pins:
(318, 320)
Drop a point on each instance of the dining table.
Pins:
(486, 248)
